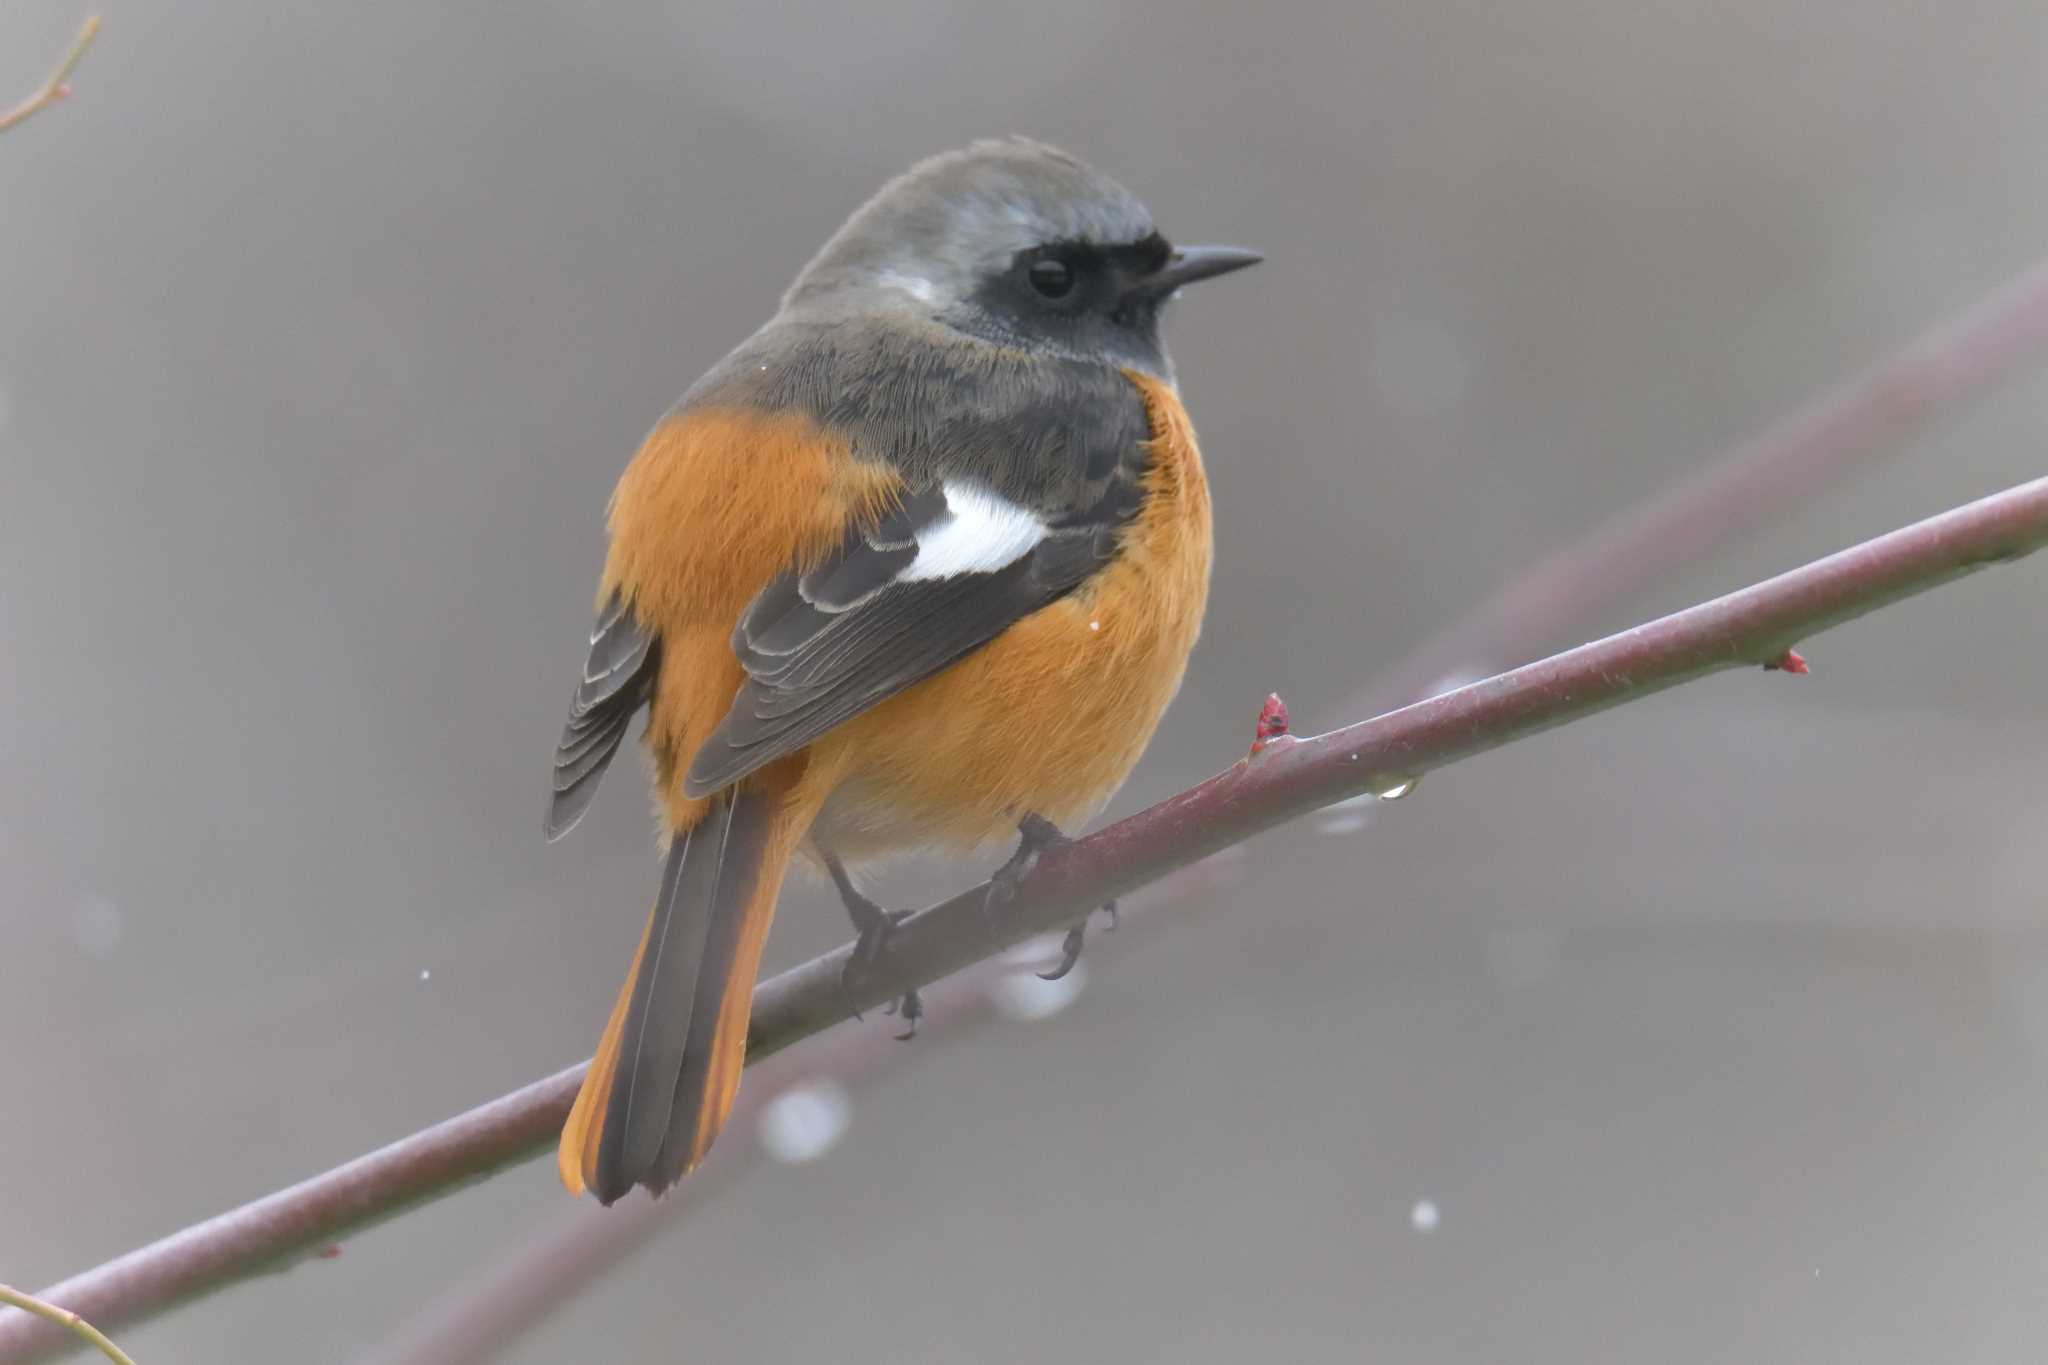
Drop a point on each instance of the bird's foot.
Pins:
(872, 926)
(1036, 834)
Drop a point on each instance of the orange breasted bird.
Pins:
(918, 566)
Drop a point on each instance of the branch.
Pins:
(59, 84)
(1744, 489)
(1288, 778)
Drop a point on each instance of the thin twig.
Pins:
(59, 84)
(65, 1318)
(1289, 778)
(1566, 594)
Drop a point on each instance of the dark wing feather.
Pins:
(617, 679)
(822, 647)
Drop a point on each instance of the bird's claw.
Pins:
(1070, 946)
(911, 1007)
(1070, 952)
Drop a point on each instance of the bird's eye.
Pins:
(1053, 279)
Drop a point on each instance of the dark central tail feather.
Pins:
(650, 1062)
(669, 1063)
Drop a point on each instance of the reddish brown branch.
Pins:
(1289, 778)
(1295, 776)
(1566, 593)
(299, 1221)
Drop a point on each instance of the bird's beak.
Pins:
(1190, 263)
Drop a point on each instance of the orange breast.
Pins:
(1051, 715)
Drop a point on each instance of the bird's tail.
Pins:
(669, 1062)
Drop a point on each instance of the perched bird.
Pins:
(917, 566)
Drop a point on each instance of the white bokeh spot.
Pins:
(805, 1121)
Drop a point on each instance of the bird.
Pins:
(917, 567)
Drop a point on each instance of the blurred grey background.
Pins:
(1711, 1029)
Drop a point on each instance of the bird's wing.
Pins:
(949, 570)
(617, 678)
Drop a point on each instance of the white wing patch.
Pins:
(982, 531)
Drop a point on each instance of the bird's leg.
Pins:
(872, 926)
(1036, 834)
